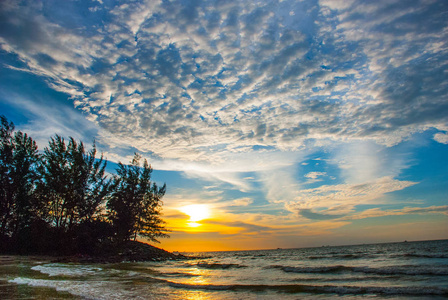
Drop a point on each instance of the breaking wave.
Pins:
(66, 270)
(85, 289)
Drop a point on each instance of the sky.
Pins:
(274, 124)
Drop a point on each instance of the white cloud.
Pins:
(441, 138)
(243, 201)
(342, 198)
(337, 4)
(280, 185)
(165, 78)
(364, 161)
(51, 118)
(315, 175)
(377, 212)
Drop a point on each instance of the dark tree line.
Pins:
(61, 201)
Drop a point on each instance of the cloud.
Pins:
(364, 161)
(307, 213)
(49, 117)
(372, 213)
(315, 175)
(377, 212)
(243, 201)
(245, 228)
(216, 88)
(343, 198)
(174, 77)
(337, 4)
(441, 138)
(280, 185)
(233, 178)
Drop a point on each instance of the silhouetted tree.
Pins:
(18, 160)
(6, 158)
(73, 184)
(61, 201)
(135, 203)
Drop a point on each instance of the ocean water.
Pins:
(407, 270)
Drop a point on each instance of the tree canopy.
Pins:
(72, 183)
(18, 161)
(135, 202)
(61, 199)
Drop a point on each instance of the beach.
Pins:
(405, 270)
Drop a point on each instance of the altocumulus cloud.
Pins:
(230, 87)
(191, 80)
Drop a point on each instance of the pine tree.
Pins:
(73, 183)
(61, 201)
(135, 203)
(18, 161)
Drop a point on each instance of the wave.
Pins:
(81, 271)
(416, 255)
(405, 270)
(323, 289)
(340, 256)
(66, 270)
(177, 274)
(215, 266)
(392, 270)
(325, 269)
(85, 289)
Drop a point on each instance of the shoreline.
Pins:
(132, 251)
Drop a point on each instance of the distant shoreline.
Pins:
(311, 247)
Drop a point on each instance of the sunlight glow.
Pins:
(196, 212)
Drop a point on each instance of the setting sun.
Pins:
(196, 212)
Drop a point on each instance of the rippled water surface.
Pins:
(417, 270)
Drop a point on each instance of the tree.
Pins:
(73, 184)
(135, 204)
(61, 201)
(18, 160)
(6, 155)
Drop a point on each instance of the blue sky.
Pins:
(298, 123)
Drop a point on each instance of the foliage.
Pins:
(18, 160)
(135, 203)
(62, 202)
(73, 184)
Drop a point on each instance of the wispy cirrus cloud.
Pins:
(375, 212)
(343, 198)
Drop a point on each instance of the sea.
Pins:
(405, 270)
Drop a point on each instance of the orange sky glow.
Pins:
(202, 227)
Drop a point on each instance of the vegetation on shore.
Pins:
(61, 202)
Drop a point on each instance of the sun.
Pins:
(196, 212)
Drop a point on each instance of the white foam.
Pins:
(86, 289)
(66, 270)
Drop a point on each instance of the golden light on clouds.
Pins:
(196, 212)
